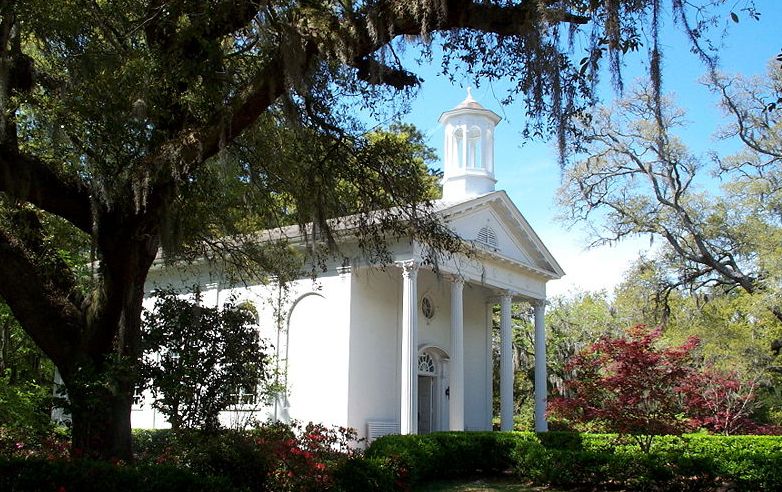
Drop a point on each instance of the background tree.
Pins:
(25, 379)
(198, 361)
(111, 112)
(720, 260)
(641, 179)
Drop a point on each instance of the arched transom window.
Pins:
(426, 364)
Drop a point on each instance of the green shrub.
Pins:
(567, 459)
(448, 454)
(234, 455)
(275, 456)
(89, 476)
(360, 474)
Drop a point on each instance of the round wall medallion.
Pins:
(427, 307)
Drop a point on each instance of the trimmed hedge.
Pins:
(271, 459)
(566, 459)
(91, 476)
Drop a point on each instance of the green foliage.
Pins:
(315, 178)
(275, 456)
(565, 459)
(90, 476)
(447, 455)
(360, 474)
(25, 379)
(717, 273)
(280, 457)
(25, 406)
(631, 384)
(198, 359)
(232, 455)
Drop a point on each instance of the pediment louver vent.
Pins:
(487, 237)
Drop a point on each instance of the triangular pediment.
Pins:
(498, 230)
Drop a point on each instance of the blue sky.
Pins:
(530, 173)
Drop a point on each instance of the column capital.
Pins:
(455, 278)
(409, 267)
(539, 303)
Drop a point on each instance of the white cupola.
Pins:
(469, 150)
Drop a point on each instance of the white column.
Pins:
(342, 338)
(506, 365)
(447, 144)
(489, 325)
(540, 367)
(456, 401)
(409, 393)
(464, 147)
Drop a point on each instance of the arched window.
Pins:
(458, 147)
(474, 148)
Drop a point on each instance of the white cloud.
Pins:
(601, 268)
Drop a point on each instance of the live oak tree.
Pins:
(641, 179)
(113, 112)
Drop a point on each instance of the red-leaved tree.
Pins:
(631, 385)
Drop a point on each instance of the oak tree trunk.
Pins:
(100, 373)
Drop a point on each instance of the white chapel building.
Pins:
(403, 349)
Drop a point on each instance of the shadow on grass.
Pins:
(480, 485)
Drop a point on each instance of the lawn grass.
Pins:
(480, 485)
